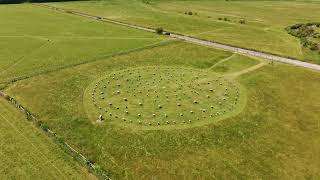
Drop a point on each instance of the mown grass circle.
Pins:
(163, 97)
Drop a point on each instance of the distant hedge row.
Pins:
(22, 1)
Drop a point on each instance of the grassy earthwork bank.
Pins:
(275, 136)
(27, 153)
(249, 24)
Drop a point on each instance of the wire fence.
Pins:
(92, 167)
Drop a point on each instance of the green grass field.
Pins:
(233, 64)
(27, 153)
(274, 128)
(263, 30)
(36, 40)
(271, 130)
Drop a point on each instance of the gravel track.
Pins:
(195, 40)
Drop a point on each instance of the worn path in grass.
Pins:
(198, 41)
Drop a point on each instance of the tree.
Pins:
(159, 30)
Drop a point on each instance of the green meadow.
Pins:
(27, 153)
(36, 40)
(267, 139)
(145, 106)
(264, 28)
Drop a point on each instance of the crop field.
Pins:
(261, 27)
(144, 106)
(26, 153)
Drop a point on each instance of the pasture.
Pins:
(27, 153)
(218, 21)
(36, 40)
(144, 106)
(254, 143)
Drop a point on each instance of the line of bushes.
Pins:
(306, 33)
(241, 21)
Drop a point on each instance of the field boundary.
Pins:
(104, 57)
(225, 46)
(92, 167)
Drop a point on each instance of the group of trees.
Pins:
(22, 1)
(306, 34)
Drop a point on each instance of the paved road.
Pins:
(195, 40)
(248, 52)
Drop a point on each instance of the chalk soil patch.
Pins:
(162, 98)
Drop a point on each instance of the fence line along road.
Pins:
(195, 40)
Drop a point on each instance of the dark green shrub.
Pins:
(190, 13)
(242, 21)
(44, 127)
(316, 35)
(159, 30)
(60, 140)
(314, 47)
(296, 26)
(304, 42)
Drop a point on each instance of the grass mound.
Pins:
(163, 97)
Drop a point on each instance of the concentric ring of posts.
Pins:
(163, 96)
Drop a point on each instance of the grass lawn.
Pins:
(276, 136)
(263, 30)
(234, 63)
(27, 153)
(37, 40)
